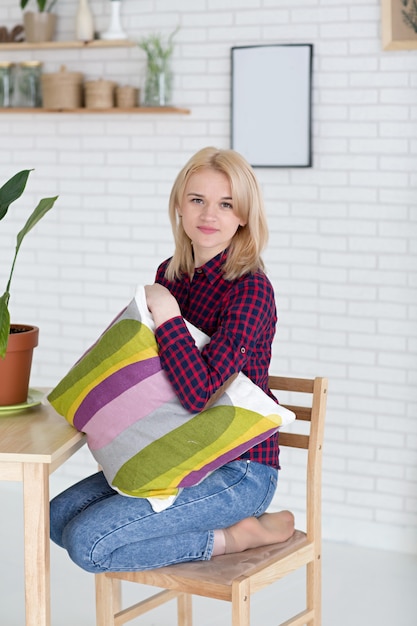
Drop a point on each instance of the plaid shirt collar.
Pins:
(213, 269)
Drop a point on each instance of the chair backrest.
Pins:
(312, 413)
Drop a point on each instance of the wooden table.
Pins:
(33, 444)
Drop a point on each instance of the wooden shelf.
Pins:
(96, 43)
(47, 45)
(82, 111)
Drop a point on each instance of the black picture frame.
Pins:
(272, 104)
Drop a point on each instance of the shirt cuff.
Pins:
(171, 331)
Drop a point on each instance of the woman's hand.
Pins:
(161, 303)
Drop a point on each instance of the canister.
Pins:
(62, 90)
(127, 97)
(6, 83)
(99, 94)
(28, 84)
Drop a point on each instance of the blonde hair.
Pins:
(244, 252)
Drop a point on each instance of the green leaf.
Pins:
(41, 4)
(12, 190)
(4, 323)
(43, 207)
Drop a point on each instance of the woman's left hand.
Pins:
(161, 303)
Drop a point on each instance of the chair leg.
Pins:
(314, 589)
(108, 599)
(185, 609)
(240, 603)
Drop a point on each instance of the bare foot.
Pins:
(254, 532)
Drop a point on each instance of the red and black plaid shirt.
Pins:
(239, 316)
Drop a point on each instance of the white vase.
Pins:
(84, 23)
(115, 30)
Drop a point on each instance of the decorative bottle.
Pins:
(115, 30)
(84, 23)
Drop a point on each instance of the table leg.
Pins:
(37, 547)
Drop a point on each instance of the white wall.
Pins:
(342, 251)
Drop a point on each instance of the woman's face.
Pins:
(207, 214)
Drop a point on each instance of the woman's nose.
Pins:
(209, 211)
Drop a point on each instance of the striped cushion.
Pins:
(147, 444)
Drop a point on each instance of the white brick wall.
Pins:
(342, 252)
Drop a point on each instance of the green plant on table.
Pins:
(43, 5)
(11, 191)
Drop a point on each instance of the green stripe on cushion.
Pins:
(167, 460)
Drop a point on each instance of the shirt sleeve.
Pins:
(246, 328)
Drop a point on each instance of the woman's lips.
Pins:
(207, 230)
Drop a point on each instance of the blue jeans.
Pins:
(104, 531)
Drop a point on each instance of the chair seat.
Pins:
(215, 578)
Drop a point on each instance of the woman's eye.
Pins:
(197, 200)
(226, 205)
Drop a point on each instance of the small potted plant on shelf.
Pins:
(17, 341)
(39, 25)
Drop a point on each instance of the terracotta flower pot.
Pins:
(15, 367)
(39, 26)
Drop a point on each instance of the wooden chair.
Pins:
(234, 577)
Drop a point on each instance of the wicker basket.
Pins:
(62, 90)
(99, 94)
(127, 97)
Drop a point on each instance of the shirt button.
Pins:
(243, 350)
(199, 271)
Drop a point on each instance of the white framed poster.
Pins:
(271, 104)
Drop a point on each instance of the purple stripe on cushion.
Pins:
(114, 385)
(143, 399)
(193, 478)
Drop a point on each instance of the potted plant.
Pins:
(158, 84)
(40, 25)
(17, 340)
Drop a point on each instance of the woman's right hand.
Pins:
(161, 303)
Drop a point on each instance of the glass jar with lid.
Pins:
(6, 83)
(28, 84)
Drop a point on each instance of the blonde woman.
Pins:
(215, 280)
